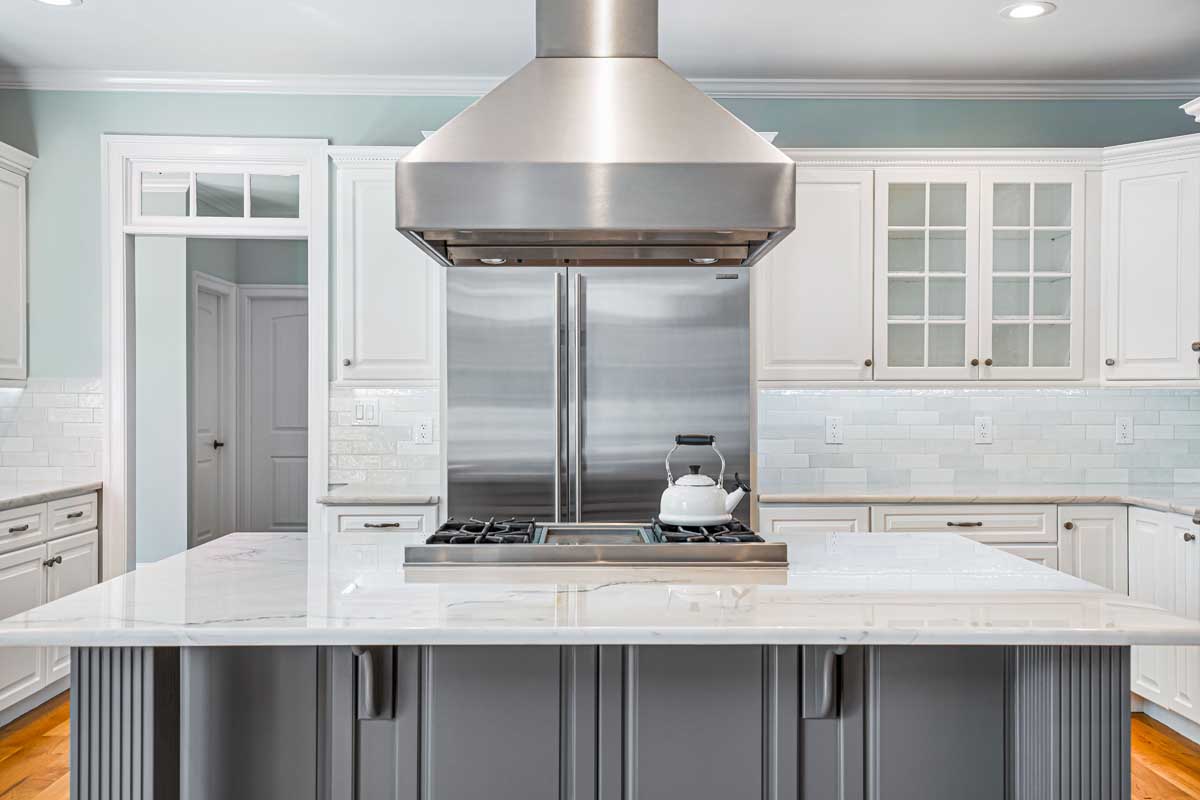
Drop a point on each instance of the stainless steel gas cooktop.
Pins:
(527, 542)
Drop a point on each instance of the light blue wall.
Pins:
(63, 129)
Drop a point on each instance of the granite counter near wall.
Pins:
(900, 437)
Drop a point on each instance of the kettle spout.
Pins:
(735, 497)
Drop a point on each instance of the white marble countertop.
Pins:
(379, 494)
(263, 589)
(15, 495)
(1178, 498)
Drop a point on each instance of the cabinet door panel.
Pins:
(813, 292)
(796, 525)
(1150, 571)
(1096, 545)
(22, 586)
(1151, 284)
(13, 325)
(389, 295)
(1185, 558)
(1044, 554)
(79, 569)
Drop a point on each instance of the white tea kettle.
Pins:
(697, 499)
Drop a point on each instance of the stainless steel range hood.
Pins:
(595, 153)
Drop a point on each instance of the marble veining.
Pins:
(1180, 499)
(265, 589)
(16, 495)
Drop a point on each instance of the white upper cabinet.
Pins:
(812, 293)
(389, 293)
(1151, 257)
(14, 344)
(926, 273)
(1031, 274)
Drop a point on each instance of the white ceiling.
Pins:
(1093, 40)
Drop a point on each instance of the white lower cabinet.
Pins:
(1044, 554)
(793, 524)
(359, 533)
(75, 564)
(1093, 544)
(1164, 569)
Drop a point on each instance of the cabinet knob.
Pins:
(345, 362)
(1189, 537)
(1069, 526)
(50, 562)
(1109, 362)
(1196, 347)
(987, 362)
(974, 362)
(868, 363)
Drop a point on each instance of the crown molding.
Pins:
(1193, 108)
(16, 160)
(367, 154)
(946, 156)
(474, 86)
(1175, 147)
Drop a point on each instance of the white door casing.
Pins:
(78, 569)
(812, 293)
(1151, 269)
(213, 475)
(274, 409)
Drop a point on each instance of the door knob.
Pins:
(218, 444)
(1189, 537)
(1069, 526)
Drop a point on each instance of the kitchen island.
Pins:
(899, 666)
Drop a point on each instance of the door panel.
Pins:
(1150, 568)
(500, 390)
(22, 586)
(663, 350)
(1185, 558)
(13, 317)
(1096, 545)
(275, 414)
(211, 491)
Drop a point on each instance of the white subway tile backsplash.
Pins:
(386, 453)
(33, 444)
(899, 437)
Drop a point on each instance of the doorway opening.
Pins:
(221, 429)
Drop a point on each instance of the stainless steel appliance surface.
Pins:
(565, 386)
(514, 542)
(595, 153)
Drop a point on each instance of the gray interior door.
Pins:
(662, 350)
(500, 432)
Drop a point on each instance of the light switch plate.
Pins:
(366, 411)
(1124, 430)
(983, 430)
(423, 431)
(834, 433)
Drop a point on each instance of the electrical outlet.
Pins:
(1124, 430)
(833, 431)
(423, 432)
(983, 430)
(366, 411)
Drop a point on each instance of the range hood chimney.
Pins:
(595, 153)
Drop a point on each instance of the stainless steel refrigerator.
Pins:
(566, 386)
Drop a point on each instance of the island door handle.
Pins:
(820, 694)
(381, 524)
(964, 524)
(1189, 537)
(19, 528)
(376, 676)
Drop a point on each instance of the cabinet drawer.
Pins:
(382, 523)
(1003, 524)
(22, 526)
(73, 515)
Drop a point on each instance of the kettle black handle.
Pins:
(697, 439)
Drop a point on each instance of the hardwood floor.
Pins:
(34, 756)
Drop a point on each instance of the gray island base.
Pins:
(600, 722)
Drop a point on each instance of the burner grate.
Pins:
(474, 531)
(726, 532)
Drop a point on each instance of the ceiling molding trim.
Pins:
(946, 156)
(16, 160)
(349, 155)
(1193, 108)
(474, 86)
(1175, 147)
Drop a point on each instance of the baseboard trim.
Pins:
(43, 695)
(1180, 724)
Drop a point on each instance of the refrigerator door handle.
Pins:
(558, 408)
(577, 366)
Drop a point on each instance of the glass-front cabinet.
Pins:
(978, 274)
(1031, 263)
(927, 272)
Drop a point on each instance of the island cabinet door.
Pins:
(1151, 568)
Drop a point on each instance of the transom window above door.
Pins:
(260, 196)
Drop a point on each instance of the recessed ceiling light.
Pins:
(1028, 10)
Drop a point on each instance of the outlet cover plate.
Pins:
(1124, 430)
(983, 430)
(834, 431)
(422, 432)
(366, 411)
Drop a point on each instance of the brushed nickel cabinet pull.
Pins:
(381, 525)
(1109, 362)
(964, 524)
(1189, 537)
(19, 528)
(75, 515)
